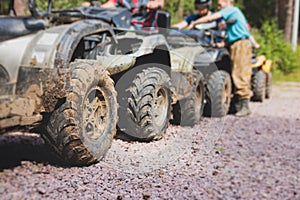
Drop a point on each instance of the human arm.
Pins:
(180, 25)
(254, 43)
(207, 18)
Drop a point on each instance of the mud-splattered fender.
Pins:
(50, 53)
(183, 59)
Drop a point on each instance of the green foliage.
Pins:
(4, 7)
(273, 47)
(259, 11)
(61, 4)
(172, 6)
(179, 8)
(188, 7)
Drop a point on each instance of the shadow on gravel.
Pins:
(17, 147)
(127, 138)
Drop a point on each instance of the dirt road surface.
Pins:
(257, 157)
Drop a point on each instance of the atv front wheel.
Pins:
(258, 85)
(188, 112)
(219, 89)
(148, 106)
(82, 128)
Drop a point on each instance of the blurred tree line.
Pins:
(256, 12)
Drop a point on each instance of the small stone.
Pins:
(146, 195)
(41, 190)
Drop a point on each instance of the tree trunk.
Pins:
(288, 21)
(180, 8)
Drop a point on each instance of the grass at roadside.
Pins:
(293, 77)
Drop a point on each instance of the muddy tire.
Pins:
(81, 129)
(219, 89)
(268, 85)
(258, 85)
(148, 106)
(188, 112)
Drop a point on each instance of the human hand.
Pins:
(219, 44)
(191, 26)
(153, 5)
(256, 46)
(86, 4)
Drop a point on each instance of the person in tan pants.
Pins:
(240, 46)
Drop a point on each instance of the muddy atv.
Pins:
(60, 76)
(139, 63)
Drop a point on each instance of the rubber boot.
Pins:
(238, 105)
(244, 111)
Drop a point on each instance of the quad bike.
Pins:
(261, 81)
(214, 63)
(58, 70)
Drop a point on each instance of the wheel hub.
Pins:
(94, 113)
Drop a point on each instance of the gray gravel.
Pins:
(257, 157)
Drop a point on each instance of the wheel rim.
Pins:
(94, 114)
(160, 108)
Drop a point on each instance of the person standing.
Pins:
(240, 47)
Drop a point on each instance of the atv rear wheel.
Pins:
(258, 84)
(82, 128)
(268, 85)
(148, 111)
(188, 112)
(219, 89)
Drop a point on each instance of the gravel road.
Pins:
(257, 157)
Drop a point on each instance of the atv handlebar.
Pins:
(206, 38)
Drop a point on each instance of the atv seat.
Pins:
(12, 27)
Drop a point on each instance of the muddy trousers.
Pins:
(241, 71)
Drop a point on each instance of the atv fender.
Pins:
(183, 59)
(54, 47)
(116, 63)
(148, 43)
(267, 66)
(260, 61)
(135, 50)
